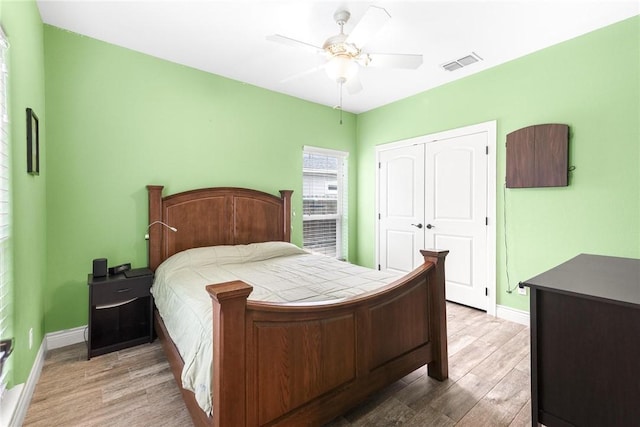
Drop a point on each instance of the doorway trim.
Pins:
(490, 128)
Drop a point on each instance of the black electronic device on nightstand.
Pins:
(120, 311)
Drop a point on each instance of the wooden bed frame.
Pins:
(294, 364)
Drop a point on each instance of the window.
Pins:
(324, 201)
(5, 212)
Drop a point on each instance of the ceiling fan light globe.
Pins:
(341, 68)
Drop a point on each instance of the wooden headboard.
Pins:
(215, 216)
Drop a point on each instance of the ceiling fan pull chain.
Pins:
(341, 83)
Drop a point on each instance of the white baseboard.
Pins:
(9, 403)
(21, 394)
(66, 337)
(513, 314)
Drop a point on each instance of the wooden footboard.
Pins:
(285, 364)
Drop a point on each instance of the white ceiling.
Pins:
(228, 37)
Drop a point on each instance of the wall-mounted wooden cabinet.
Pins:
(538, 156)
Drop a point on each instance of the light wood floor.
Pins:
(488, 385)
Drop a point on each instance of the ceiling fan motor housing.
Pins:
(337, 45)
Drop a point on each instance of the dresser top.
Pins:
(594, 276)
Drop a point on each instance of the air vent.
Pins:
(452, 66)
(472, 58)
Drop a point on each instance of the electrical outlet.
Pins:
(30, 338)
(522, 290)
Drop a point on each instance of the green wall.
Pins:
(591, 83)
(23, 27)
(119, 120)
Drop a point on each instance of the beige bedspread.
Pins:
(278, 272)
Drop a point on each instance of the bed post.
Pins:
(439, 368)
(154, 248)
(228, 386)
(286, 202)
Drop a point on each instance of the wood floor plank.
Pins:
(427, 416)
(458, 341)
(504, 359)
(488, 385)
(420, 392)
(523, 419)
(458, 399)
(501, 404)
(468, 358)
(390, 412)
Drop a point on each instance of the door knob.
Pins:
(429, 226)
(417, 225)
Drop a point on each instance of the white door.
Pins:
(456, 213)
(438, 202)
(401, 208)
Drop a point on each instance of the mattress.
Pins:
(279, 272)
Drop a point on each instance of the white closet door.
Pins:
(456, 213)
(401, 208)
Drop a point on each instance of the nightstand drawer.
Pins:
(114, 292)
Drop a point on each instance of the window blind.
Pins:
(5, 213)
(324, 200)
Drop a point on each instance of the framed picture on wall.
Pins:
(33, 143)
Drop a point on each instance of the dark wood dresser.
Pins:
(585, 343)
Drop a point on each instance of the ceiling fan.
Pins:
(346, 53)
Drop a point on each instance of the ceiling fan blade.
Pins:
(373, 20)
(294, 43)
(393, 60)
(302, 74)
(353, 85)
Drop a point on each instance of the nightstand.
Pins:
(120, 311)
